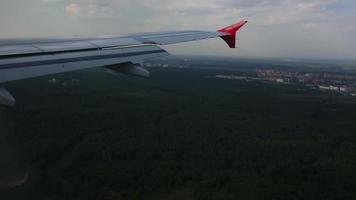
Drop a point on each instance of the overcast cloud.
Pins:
(277, 28)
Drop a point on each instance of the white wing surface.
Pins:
(28, 58)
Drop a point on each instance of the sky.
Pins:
(323, 29)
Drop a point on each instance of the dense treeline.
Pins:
(179, 135)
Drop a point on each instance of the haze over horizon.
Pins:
(278, 28)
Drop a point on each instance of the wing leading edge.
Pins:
(28, 58)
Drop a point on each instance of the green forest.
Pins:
(181, 134)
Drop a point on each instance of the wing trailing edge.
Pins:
(229, 34)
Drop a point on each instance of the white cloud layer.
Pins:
(263, 12)
(72, 9)
(278, 28)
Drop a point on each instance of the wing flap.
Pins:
(17, 69)
(64, 46)
(175, 37)
(37, 49)
(18, 50)
(114, 42)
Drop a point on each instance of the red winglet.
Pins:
(231, 31)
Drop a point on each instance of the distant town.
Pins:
(335, 82)
(338, 83)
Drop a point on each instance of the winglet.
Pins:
(228, 34)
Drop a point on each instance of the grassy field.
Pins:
(177, 135)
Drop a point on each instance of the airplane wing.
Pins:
(28, 58)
